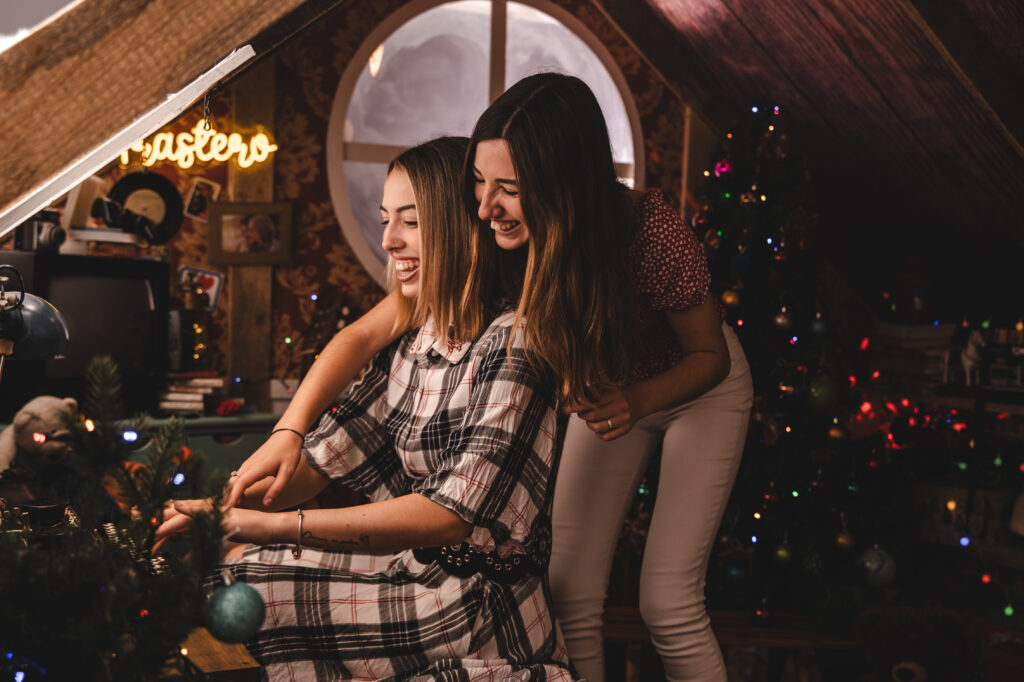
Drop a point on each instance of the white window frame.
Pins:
(339, 151)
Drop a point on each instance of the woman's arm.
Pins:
(704, 365)
(348, 352)
(389, 525)
(304, 484)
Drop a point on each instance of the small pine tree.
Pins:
(91, 601)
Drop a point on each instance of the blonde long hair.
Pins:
(434, 169)
(576, 291)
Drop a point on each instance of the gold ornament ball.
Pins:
(844, 540)
(730, 298)
(836, 432)
(782, 554)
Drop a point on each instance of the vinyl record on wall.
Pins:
(151, 206)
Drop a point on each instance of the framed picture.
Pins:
(212, 282)
(202, 193)
(250, 233)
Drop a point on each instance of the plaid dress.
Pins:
(472, 428)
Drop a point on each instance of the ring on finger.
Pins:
(609, 422)
(233, 474)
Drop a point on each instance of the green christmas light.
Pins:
(287, 339)
(998, 461)
(1008, 610)
(727, 195)
(962, 466)
(986, 324)
(796, 494)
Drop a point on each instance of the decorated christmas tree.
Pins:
(83, 595)
(857, 489)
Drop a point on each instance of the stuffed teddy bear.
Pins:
(39, 431)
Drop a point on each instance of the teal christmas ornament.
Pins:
(234, 612)
(877, 566)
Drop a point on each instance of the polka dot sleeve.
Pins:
(669, 266)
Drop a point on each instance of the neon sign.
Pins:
(199, 144)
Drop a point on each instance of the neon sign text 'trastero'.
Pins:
(199, 144)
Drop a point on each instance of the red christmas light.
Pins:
(876, 374)
(865, 407)
(853, 381)
(892, 408)
(905, 402)
(864, 343)
(986, 578)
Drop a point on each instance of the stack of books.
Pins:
(192, 392)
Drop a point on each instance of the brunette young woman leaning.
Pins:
(617, 302)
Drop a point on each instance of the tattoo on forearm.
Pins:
(363, 541)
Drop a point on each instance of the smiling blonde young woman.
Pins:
(454, 439)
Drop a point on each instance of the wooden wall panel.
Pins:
(249, 313)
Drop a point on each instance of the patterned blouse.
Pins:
(471, 427)
(670, 272)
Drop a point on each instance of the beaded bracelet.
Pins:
(285, 428)
(297, 552)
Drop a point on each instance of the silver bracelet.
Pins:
(297, 552)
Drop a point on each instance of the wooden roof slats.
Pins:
(93, 69)
(873, 87)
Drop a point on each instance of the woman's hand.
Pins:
(277, 457)
(611, 415)
(240, 525)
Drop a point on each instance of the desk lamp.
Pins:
(30, 327)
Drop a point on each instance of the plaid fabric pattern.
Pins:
(471, 427)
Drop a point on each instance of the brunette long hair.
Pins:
(576, 294)
(434, 169)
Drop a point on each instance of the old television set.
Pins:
(112, 306)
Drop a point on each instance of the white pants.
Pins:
(702, 442)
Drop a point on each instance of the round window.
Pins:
(431, 69)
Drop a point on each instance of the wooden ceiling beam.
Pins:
(983, 41)
(89, 72)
